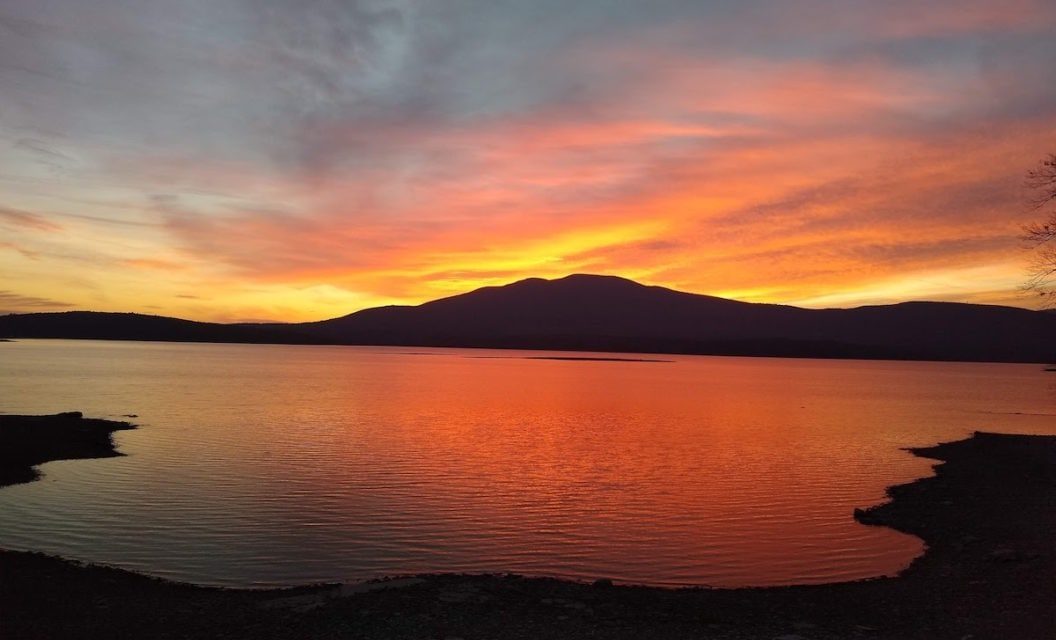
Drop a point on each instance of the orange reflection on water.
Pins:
(681, 472)
(289, 465)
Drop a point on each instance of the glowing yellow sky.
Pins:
(222, 165)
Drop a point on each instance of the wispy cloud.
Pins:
(399, 150)
(27, 220)
(11, 302)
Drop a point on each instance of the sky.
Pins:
(294, 160)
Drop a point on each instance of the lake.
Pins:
(265, 465)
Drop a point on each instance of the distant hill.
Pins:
(97, 325)
(606, 313)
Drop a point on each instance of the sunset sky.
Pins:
(302, 159)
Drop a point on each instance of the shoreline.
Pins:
(29, 441)
(554, 349)
(986, 517)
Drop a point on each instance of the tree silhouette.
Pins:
(1042, 280)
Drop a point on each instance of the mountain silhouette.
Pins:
(98, 325)
(608, 313)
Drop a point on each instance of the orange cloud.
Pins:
(153, 263)
(26, 220)
(839, 156)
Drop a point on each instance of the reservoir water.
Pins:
(262, 465)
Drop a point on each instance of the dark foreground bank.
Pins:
(989, 572)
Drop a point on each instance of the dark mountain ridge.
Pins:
(99, 325)
(607, 313)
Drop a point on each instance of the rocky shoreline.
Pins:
(987, 517)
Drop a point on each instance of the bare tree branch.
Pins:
(1042, 180)
(1042, 275)
(1041, 232)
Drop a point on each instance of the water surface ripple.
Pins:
(281, 465)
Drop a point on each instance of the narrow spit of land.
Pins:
(987, 517)
(26, 441)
